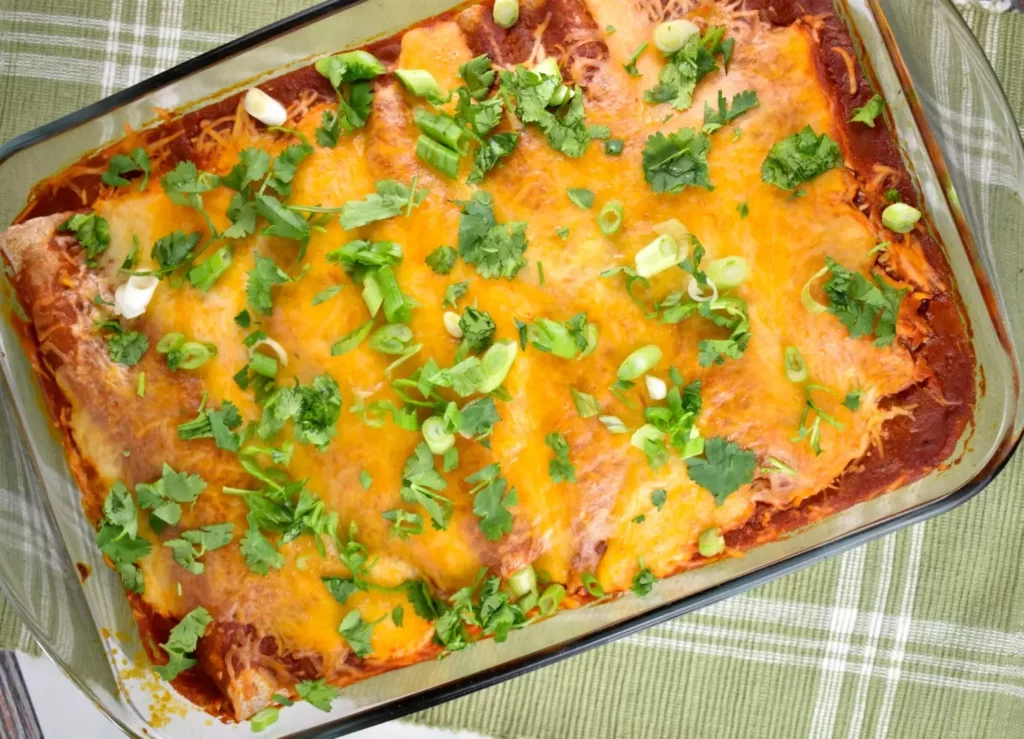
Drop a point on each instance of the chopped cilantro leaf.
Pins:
(658, 498)
(869, 111)
(741, 103)
(561, 467)
(174, 250)
(442, 260)
(358, 632)
(643, 581)
(479, 417)
(421, 484)
(317, 693)
(630, 66)
(477, 329)
(674, 162)
(562, 232)
(581, 197)
(862, 306)
(137, 160)
(220, 425)
(724, 467)
(800, 158)
(260, 555)
(852, 400)
(127, 347)
(453, 292)
(264, 275)
(491, 501)
(478, 76)
(340, 588)
(685, 68)
(563, 125)
(193, 544)
(613, 147)
(182, 641)
(892, 195)
(490, 154)
(496, 250)
(391, 198)
(743, 209)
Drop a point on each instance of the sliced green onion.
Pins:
(442, 128)
(586, 405)
(561, 94)
(728, 272)
(263, 364)
(204, 274)
(170, 343)
(372, 295)
(140, 388)
(805, 294)
(796, 369)
(657, 389)
(592, 335)
(900, 217)
(592, 585)
(773, 465)
(711, 542)
(262, 719)
(674, 228)
(434, 434)
(438, 156)
(548, 67)
(646, 433)
(506, 12)
(419, 82)
(359, 65)
(614, 424)
(528, 601)
(551, 599)
(195, 354)
(496, 363)
(670, 36)
(693, 446)
(350, 341)
(396, 310)
(392, 339)
(451, 321)
(554, 337)
(610, 218)
(639, 362)
(659, 255)
(522, 581)
(613, 147)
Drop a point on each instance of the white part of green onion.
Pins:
(264, 108)
(614, 424)
(451, 323)
(711, 542)
(282, 355)
(645, 433)
(371, 294)
(696, 292)
(659, 255)
(639, 363)
(674, 228)
(506, 12)
(419, 82)
(656, 387)
(434, 434)
(548, 67)
(132, 298)
(523, 581)
(796, 368)
(900, 217)
(670, 36)
(728, 272)
(805, 294)
(496, 363)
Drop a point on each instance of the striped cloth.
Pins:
(920, 634)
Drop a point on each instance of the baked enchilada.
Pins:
(528, 306)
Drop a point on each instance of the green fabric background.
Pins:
(920, 634)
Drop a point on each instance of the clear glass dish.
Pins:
(962, 145)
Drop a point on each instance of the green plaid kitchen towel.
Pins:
(920, 634)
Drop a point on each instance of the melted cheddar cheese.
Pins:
(566, 529)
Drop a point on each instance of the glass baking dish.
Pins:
(962, 146)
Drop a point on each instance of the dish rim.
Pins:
(491, 676)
